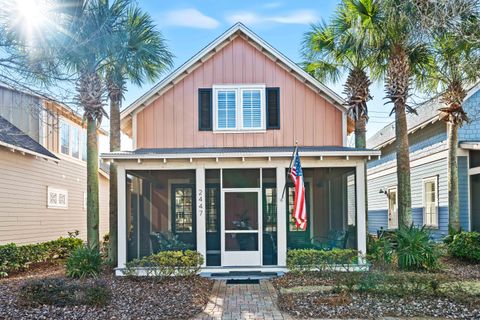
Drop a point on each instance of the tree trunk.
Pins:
(360, 133)
(403, 167)
(92, 185)
(114, 146)
(453, 202)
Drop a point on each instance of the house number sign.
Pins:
(200, 202)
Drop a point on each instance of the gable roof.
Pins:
(15, 139)
(212, 48)
(427, 113)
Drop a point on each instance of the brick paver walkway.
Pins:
(242, 301)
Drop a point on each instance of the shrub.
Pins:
(84, 262)
(17, 258)
(300, 260)
(380, 251)
(59, 292)
(167, 263)
(466, 245)
(416, 250)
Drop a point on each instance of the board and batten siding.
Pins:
(378, 202)
(24, 215)
(171, 121)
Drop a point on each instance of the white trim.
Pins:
(209, 50)
(58, 192)
(361, 211)
(344, 129)
(390, 189)
(434, 179)
(26, 151)
(122, 216)
(134, 131)
(281, 219)
(470, 145)
(200, 219)
(473, 171)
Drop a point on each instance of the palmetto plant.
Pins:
(343, 46)
(140, 53)
(416, 250)
(456, 68)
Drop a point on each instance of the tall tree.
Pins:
(84, 51)
(343, 46)
(402, 60)
(140, 53)
(457, 62)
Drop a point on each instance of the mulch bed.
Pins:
(138, 298)
(363, 305)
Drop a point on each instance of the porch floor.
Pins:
(242, 301)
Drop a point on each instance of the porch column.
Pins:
(361, 209)
(122, 217)
(281, 219)
(201, 221)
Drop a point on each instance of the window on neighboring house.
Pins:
(73, 140)
(239, 107)
(430, 202)
(64, 138)
(57, 198)
(392, 208)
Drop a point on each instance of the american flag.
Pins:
(299, 213)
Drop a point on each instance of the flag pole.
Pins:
(290, 168)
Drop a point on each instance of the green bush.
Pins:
(466, 245)
(59, 292)
(300, 260)
(84, 262)
(416, 250)
(380, 251)
(17, 258)
(167, 263)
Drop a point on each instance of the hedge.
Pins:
(167, 263)
(466, 246)
(17, 258)
(299, 260)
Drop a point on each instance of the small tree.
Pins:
(140, 53)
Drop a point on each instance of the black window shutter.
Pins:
(273, 108)
(205, 109)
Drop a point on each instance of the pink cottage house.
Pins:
(212, 145)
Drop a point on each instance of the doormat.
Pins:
(243, 281)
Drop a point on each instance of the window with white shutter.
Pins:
(430, 202)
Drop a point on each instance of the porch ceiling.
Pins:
(250, 152)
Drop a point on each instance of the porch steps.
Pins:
(241, 275)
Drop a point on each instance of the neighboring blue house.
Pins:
(429, 170)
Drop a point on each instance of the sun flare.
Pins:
(30, 17)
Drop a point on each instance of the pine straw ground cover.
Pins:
(130, 298)
(453, 292)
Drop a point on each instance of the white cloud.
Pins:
(295, 17)
(272, 5)
(189, 17)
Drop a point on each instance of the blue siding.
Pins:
(463, 191)
(442, 231)
(377, 219)
(471, 131)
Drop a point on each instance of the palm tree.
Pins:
(141, 53)
(402, 60)
(456, 67)
(84, 50)
(342, 46)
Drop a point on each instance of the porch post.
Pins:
(122, 218)
(361, 209)
(201, 221)
(281, 219)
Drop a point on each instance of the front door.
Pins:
(241, 223)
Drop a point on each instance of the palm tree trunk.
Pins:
(453, 202)
(360, 133)
(114, 146)
(403, 167)
(92, 185)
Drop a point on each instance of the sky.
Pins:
(188, 26)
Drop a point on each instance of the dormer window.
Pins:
(239, 108)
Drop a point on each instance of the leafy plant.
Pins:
(380, 251)
(416, 250)
(466, 245)
(17, 258)
(301, 260)
(167, 263)
(84, 262)
(59, 292)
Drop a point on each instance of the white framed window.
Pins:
(57, 198)
(73, 140)
(392, 194)
(430, 201)
(239, 107)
